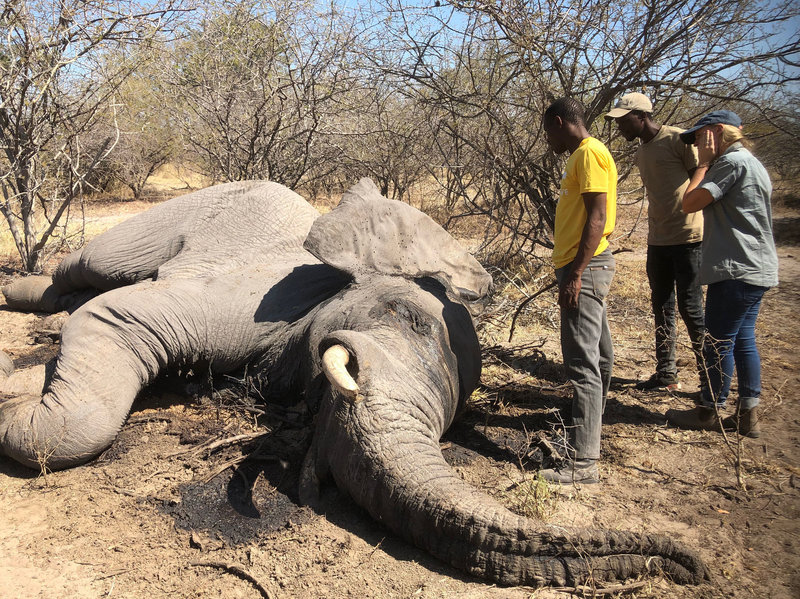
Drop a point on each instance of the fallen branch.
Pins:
(145, 419)
(211, 446)
(240, 572)
(525, 303)
(223, 467)
(230, 441)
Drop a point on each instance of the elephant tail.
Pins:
(397, 473)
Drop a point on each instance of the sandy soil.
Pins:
(171, 510)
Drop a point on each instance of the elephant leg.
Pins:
(111, 348)
(28, 381)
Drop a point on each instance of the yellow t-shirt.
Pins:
(590, 169)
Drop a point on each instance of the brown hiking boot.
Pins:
(699, 418)
(745, 422)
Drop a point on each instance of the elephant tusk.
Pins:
(334, 361)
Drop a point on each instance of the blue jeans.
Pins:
(588, 354)
(672, 271)
(731, 311)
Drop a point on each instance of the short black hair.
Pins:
(569, 109)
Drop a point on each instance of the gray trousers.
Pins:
(588, 354)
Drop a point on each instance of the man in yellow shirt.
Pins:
(585, 216)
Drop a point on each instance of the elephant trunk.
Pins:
(382, 448)
(404, 482)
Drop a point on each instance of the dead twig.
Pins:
(668, 439)
(230, 441)
(211, 446)
(126, 492)
(145, 419)
(525, 303)
(240, 572)
(371, 553)
(223, 467)
(110, 484)
(114, 573)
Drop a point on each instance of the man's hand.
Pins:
(569, 291)
(592, 234)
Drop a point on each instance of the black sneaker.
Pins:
(658, 382)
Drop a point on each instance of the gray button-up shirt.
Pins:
(737, 232)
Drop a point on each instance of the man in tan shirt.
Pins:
(674, 238)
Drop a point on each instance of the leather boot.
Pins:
(700, 418)
(578, 471)
(745, 422)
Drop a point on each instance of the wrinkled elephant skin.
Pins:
(364, 312)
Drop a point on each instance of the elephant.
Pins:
(365, 313)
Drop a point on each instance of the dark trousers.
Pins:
(673, 274)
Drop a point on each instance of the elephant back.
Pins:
(201, 234)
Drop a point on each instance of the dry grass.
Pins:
(533, 498)
(172, 178)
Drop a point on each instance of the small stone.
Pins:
(196, 541)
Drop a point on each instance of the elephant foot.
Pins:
(29, 381)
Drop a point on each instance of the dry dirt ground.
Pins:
(197, 497)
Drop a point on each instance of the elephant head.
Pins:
(364, 312)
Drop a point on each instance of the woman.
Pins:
(739, 264)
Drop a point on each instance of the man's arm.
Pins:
(569, 290)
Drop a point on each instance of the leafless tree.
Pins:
(53, 85)
(147, 136)
(258, 82)
(776, 137)
(382, 135)
(486, 70)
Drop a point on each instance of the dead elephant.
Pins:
(363, 311)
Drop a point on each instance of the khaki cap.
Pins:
(628, 102)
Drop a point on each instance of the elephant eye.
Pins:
(467, 295)
(420, 322)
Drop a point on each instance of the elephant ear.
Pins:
(368, 233)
